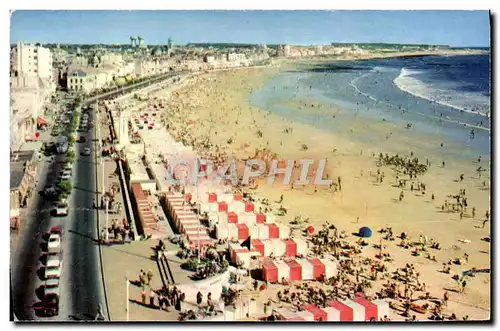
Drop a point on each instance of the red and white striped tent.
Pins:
(293, 269)
(345, 311)
(279, 247)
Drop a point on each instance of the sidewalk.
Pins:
(121, 261)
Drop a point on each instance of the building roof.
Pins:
(78, 73)
(16, 174)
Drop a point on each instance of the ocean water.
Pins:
(447, 96)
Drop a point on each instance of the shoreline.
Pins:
(392, 55)
(405, 75)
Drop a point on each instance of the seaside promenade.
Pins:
(123, 261)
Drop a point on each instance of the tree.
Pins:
(70, 156)
(64, 187)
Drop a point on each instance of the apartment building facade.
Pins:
(34, 60)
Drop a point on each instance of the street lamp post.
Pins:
(128, 300)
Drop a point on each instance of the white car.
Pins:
(65, 176)
(62, 209)
(86, 151)
(54, 242)
(51, 286)
(66, 121)
(68, 166)
(66, 172)
(53, 269)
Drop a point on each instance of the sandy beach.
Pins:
(216, 105)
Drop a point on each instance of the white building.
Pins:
(236, 57)
(31, 85)
(284, 50)
(34, 60)
(112, 59)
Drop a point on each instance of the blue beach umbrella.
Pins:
(365, 232)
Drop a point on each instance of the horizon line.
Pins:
(253, 44)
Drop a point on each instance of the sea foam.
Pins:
(463, 101)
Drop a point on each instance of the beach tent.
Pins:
(365, 232)
(306, 269)
(243, 232)
(279, 247)
(254, 231)
(318, 268)
(249, 207)
(269, 271)
(222, 206)
(345, 312)
(268, 247)
(270, 218)
(284, 231)
(274, 231)
(233, 231)
(243, 218)
(291, 247)
(222, 219)
(260, 218)
(358, 311)
(283, 270)
(302, 248)
(333, 314)
(232, 217)
(251, 218)
(370, 308)
(257, 245)
(319, 314)
(263, 231)
(295, 270)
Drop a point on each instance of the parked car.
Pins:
(50, 300)
(61, 209)
(53, 267)
(56, 230)
(65, 175)
(50, 192)
(86, 151)
(66, 172)
(54, 242)
(68, 166)
(82, 139)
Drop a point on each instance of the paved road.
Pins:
(81, 278)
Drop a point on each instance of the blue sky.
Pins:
(455, 28)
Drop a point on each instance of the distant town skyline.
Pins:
(454, 28)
